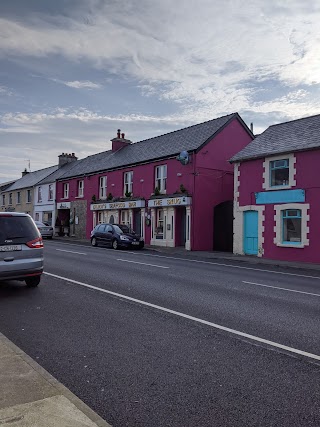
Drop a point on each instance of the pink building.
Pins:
(175, 189)
(276, 198)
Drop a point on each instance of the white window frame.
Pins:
(292, 172)
(80, 188)
(18, 197)
(100, 219)
(10, 199)
(29, 196)
(125, 217)
(127, 182)
(39, 194)
(103, 187)
(50, 192)
(161, 178)
(3, 199)
(66, 190)
(278, 228)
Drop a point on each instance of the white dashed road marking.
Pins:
(195, 319)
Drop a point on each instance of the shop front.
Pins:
(62, 222)
(130, 213)
(171, 221)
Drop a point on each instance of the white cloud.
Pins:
(83, 84)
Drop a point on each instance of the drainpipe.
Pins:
(193, 199)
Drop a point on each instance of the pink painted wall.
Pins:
(307, 178)
(214, 180)
(208, 179)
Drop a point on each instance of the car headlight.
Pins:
(124, 238)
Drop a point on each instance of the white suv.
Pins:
(21, 248)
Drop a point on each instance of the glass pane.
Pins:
(292, 230)
(279, 177)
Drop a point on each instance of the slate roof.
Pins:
(5, 185)
(58, 173)
(32, 178)
(297, 135)
(189, 139)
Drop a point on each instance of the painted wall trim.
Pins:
(238, 228)
(292, 172)
(305, 217)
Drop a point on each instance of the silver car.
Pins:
(21, 248)
(45, 230)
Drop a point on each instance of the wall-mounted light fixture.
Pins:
(179, 174)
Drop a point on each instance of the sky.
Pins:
(72, 72)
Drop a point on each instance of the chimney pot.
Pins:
(122, 135)
(118, 133)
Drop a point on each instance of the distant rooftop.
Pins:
(31, 178)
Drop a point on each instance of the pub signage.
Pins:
(169, 201)
(131, 204)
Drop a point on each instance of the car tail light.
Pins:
(36, 243)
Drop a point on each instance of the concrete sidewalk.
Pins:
(31, 397)
(219, 257)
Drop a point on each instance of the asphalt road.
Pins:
(153, 340)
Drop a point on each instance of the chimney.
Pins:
(119, 141)
(65, 158)
(25, 172)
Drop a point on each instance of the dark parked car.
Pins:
(21, 248)
(116, 236)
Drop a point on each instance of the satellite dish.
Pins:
(183, 158)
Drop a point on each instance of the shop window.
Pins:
(128, 179)
(161, 178)
(66, 190)
(125, 218)
(80, 188)
(100, 217)
(18, 197)
(103, 187)
(28, 196)
(291, 229)
(159, 224)
(291, 226)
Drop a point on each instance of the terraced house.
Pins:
(277, 193)
(175, 189)
(19, 196)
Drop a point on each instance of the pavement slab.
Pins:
(31, 397)
(55, 411)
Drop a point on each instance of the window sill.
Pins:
(291, 245)
(79, 197)
(279, 187)
(64, 198)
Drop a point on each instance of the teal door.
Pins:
(250, 237)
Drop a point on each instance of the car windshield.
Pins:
(126, 229)
(17, 227)
(40, 224)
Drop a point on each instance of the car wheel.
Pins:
(115, 244)
(32, 282)
(94, 241)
